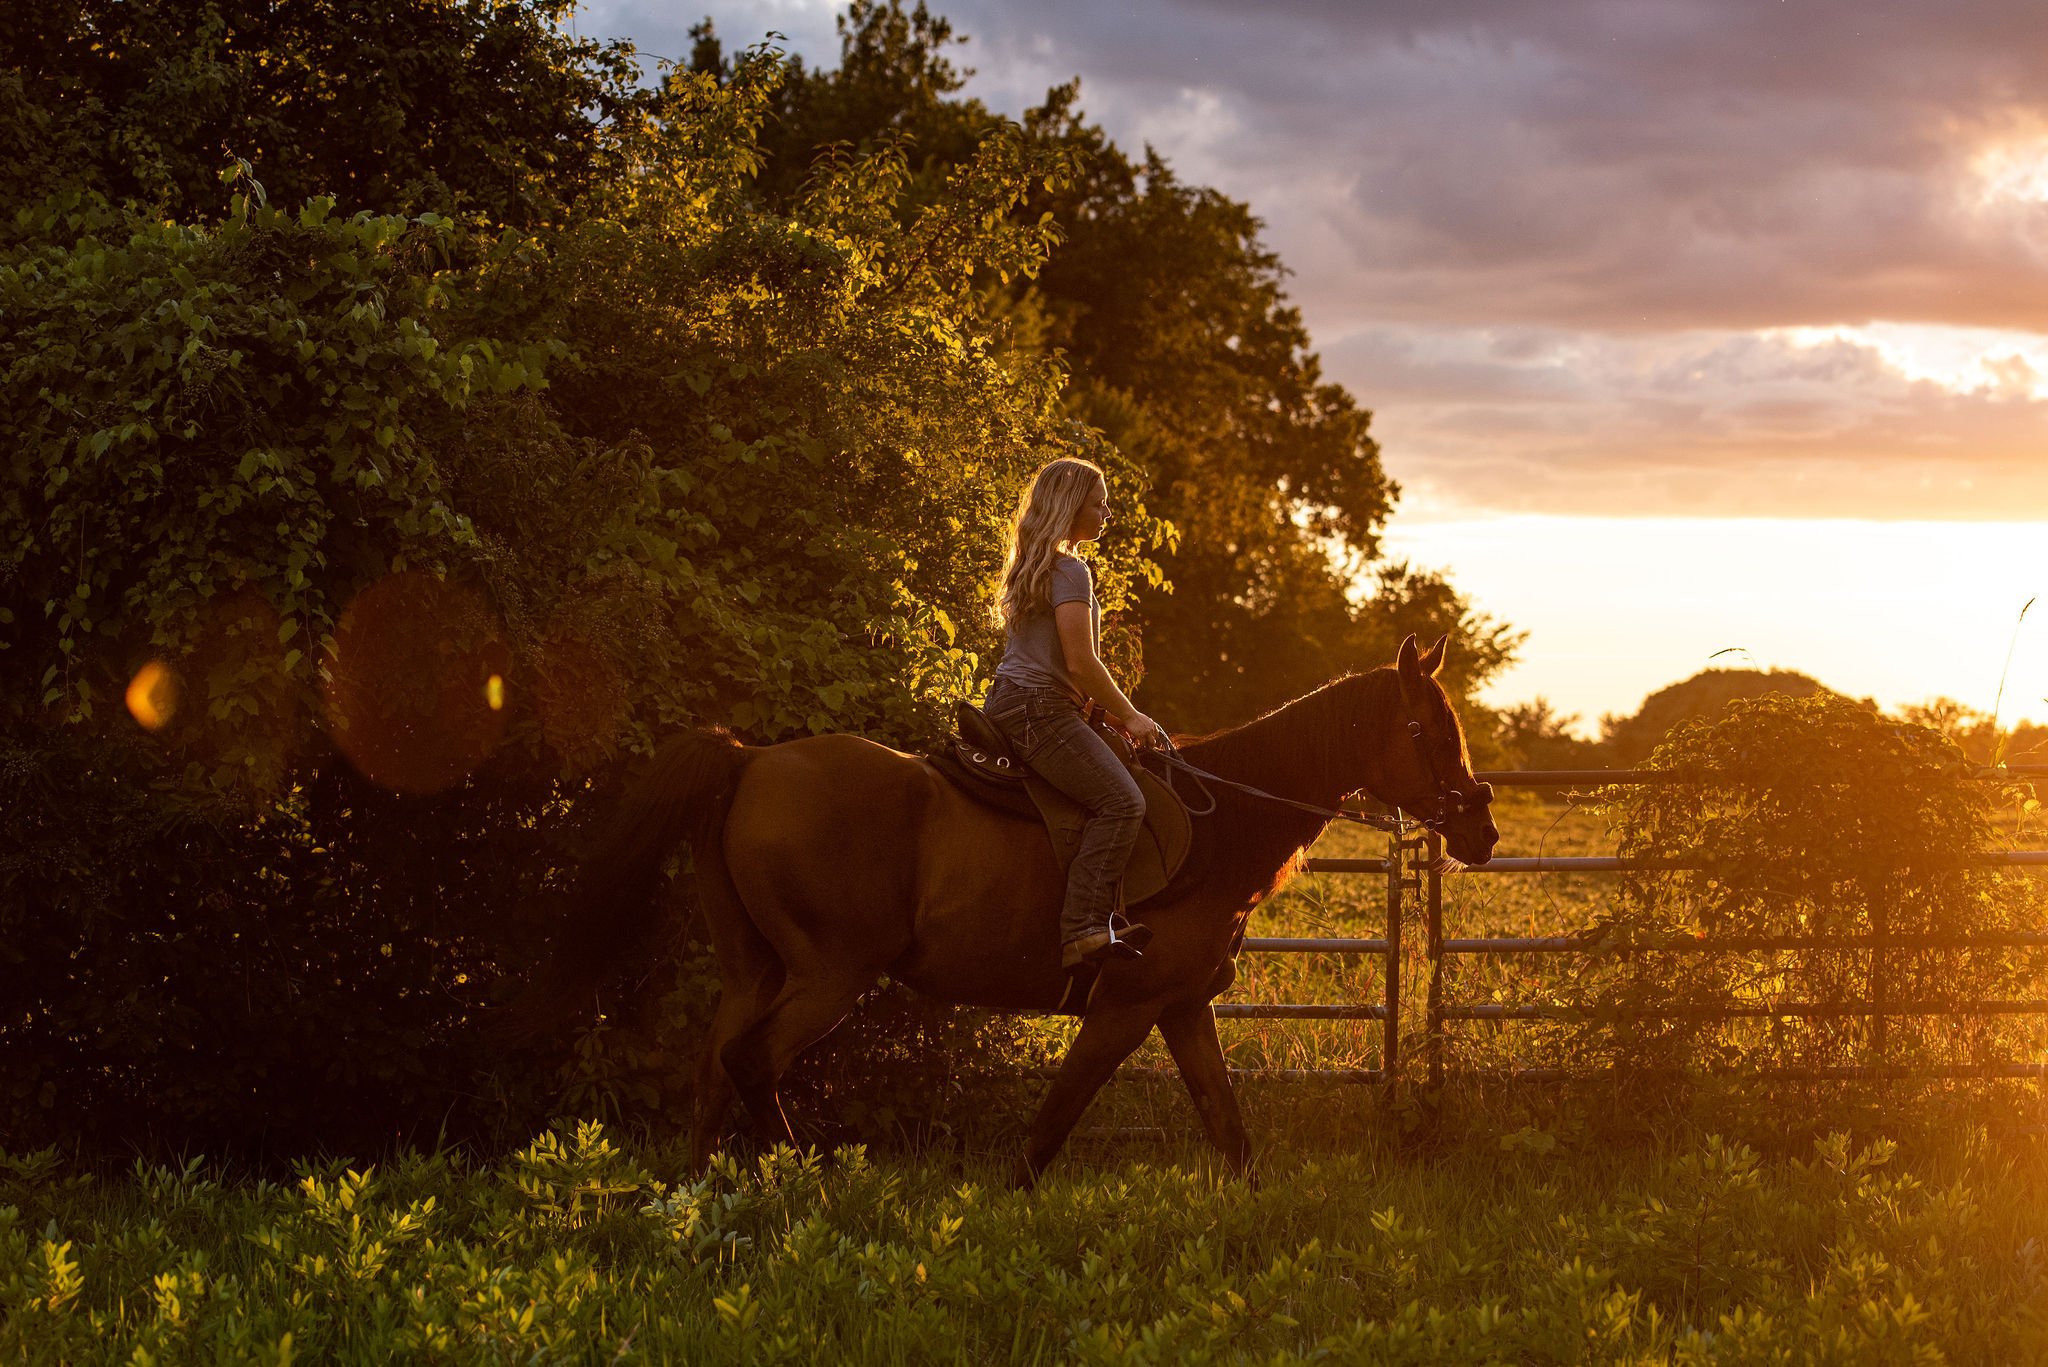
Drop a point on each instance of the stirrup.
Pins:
(1101, 946)
(1136, 934)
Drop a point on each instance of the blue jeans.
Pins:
(1047, 731)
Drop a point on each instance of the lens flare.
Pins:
(153, 696)
(413, 657)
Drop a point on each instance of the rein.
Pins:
(1172, 758)
(1450, 801)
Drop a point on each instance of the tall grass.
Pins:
(574, 1249)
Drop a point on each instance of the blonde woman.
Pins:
(1050, 670)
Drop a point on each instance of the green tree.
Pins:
(1533, 735)
(1977, 733)
(1184, 353)
(895, 83)
(1628, 740)
(478, 106)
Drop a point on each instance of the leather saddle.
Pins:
(982, 764)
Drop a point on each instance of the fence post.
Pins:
(1433, 849)
(1390, 1048)
(1404, 876)
(1880, 954)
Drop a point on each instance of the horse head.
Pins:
(1427, 770)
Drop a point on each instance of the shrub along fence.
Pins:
(1412, 876)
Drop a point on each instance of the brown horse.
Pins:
(825, 862)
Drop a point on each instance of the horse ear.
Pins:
(1406, 661)
(1433, 659)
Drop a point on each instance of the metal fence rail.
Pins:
(1410, 870)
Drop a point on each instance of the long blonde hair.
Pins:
(1038, 533)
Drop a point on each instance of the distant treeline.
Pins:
(411, 409)
(1533, 735)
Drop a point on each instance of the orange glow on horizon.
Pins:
(1617, 608)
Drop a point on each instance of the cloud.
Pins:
(1564, 249)
(660, 29)
(1663, 163)
(1732, 423)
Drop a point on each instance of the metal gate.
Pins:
(1407, 876)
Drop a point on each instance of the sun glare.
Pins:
(2012, 172)
(1962, 360)
(401, 694)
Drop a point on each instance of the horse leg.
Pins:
(750, 976)
(804, 1012)
(1190, 1034)
(1108, 1035)
(710, 1102)
(739, 1007)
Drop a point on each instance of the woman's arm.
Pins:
(1091, 676)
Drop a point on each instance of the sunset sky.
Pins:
(1689, 326)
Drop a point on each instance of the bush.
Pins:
(396, 534)
(216, 437)
(1836, 854)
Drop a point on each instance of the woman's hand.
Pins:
(1143, 731)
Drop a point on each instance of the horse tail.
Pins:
(684, 793)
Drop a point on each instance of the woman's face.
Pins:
(1093, 515)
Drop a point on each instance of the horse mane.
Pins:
(1297, 748)
(1309, 750)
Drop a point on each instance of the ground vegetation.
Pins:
(1704, 1250)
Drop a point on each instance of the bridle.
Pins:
(1450, 801)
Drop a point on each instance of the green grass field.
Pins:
(1525, 1250)
(1513, 1225)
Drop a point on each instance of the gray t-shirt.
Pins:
(1033, 657)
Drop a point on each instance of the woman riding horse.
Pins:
(823, 863)
(1049, 673)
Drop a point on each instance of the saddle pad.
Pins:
(1158, 853)
(1161, 847)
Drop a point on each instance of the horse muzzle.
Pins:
(1469, 835)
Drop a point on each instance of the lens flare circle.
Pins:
(153, 696)
(410, 697)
